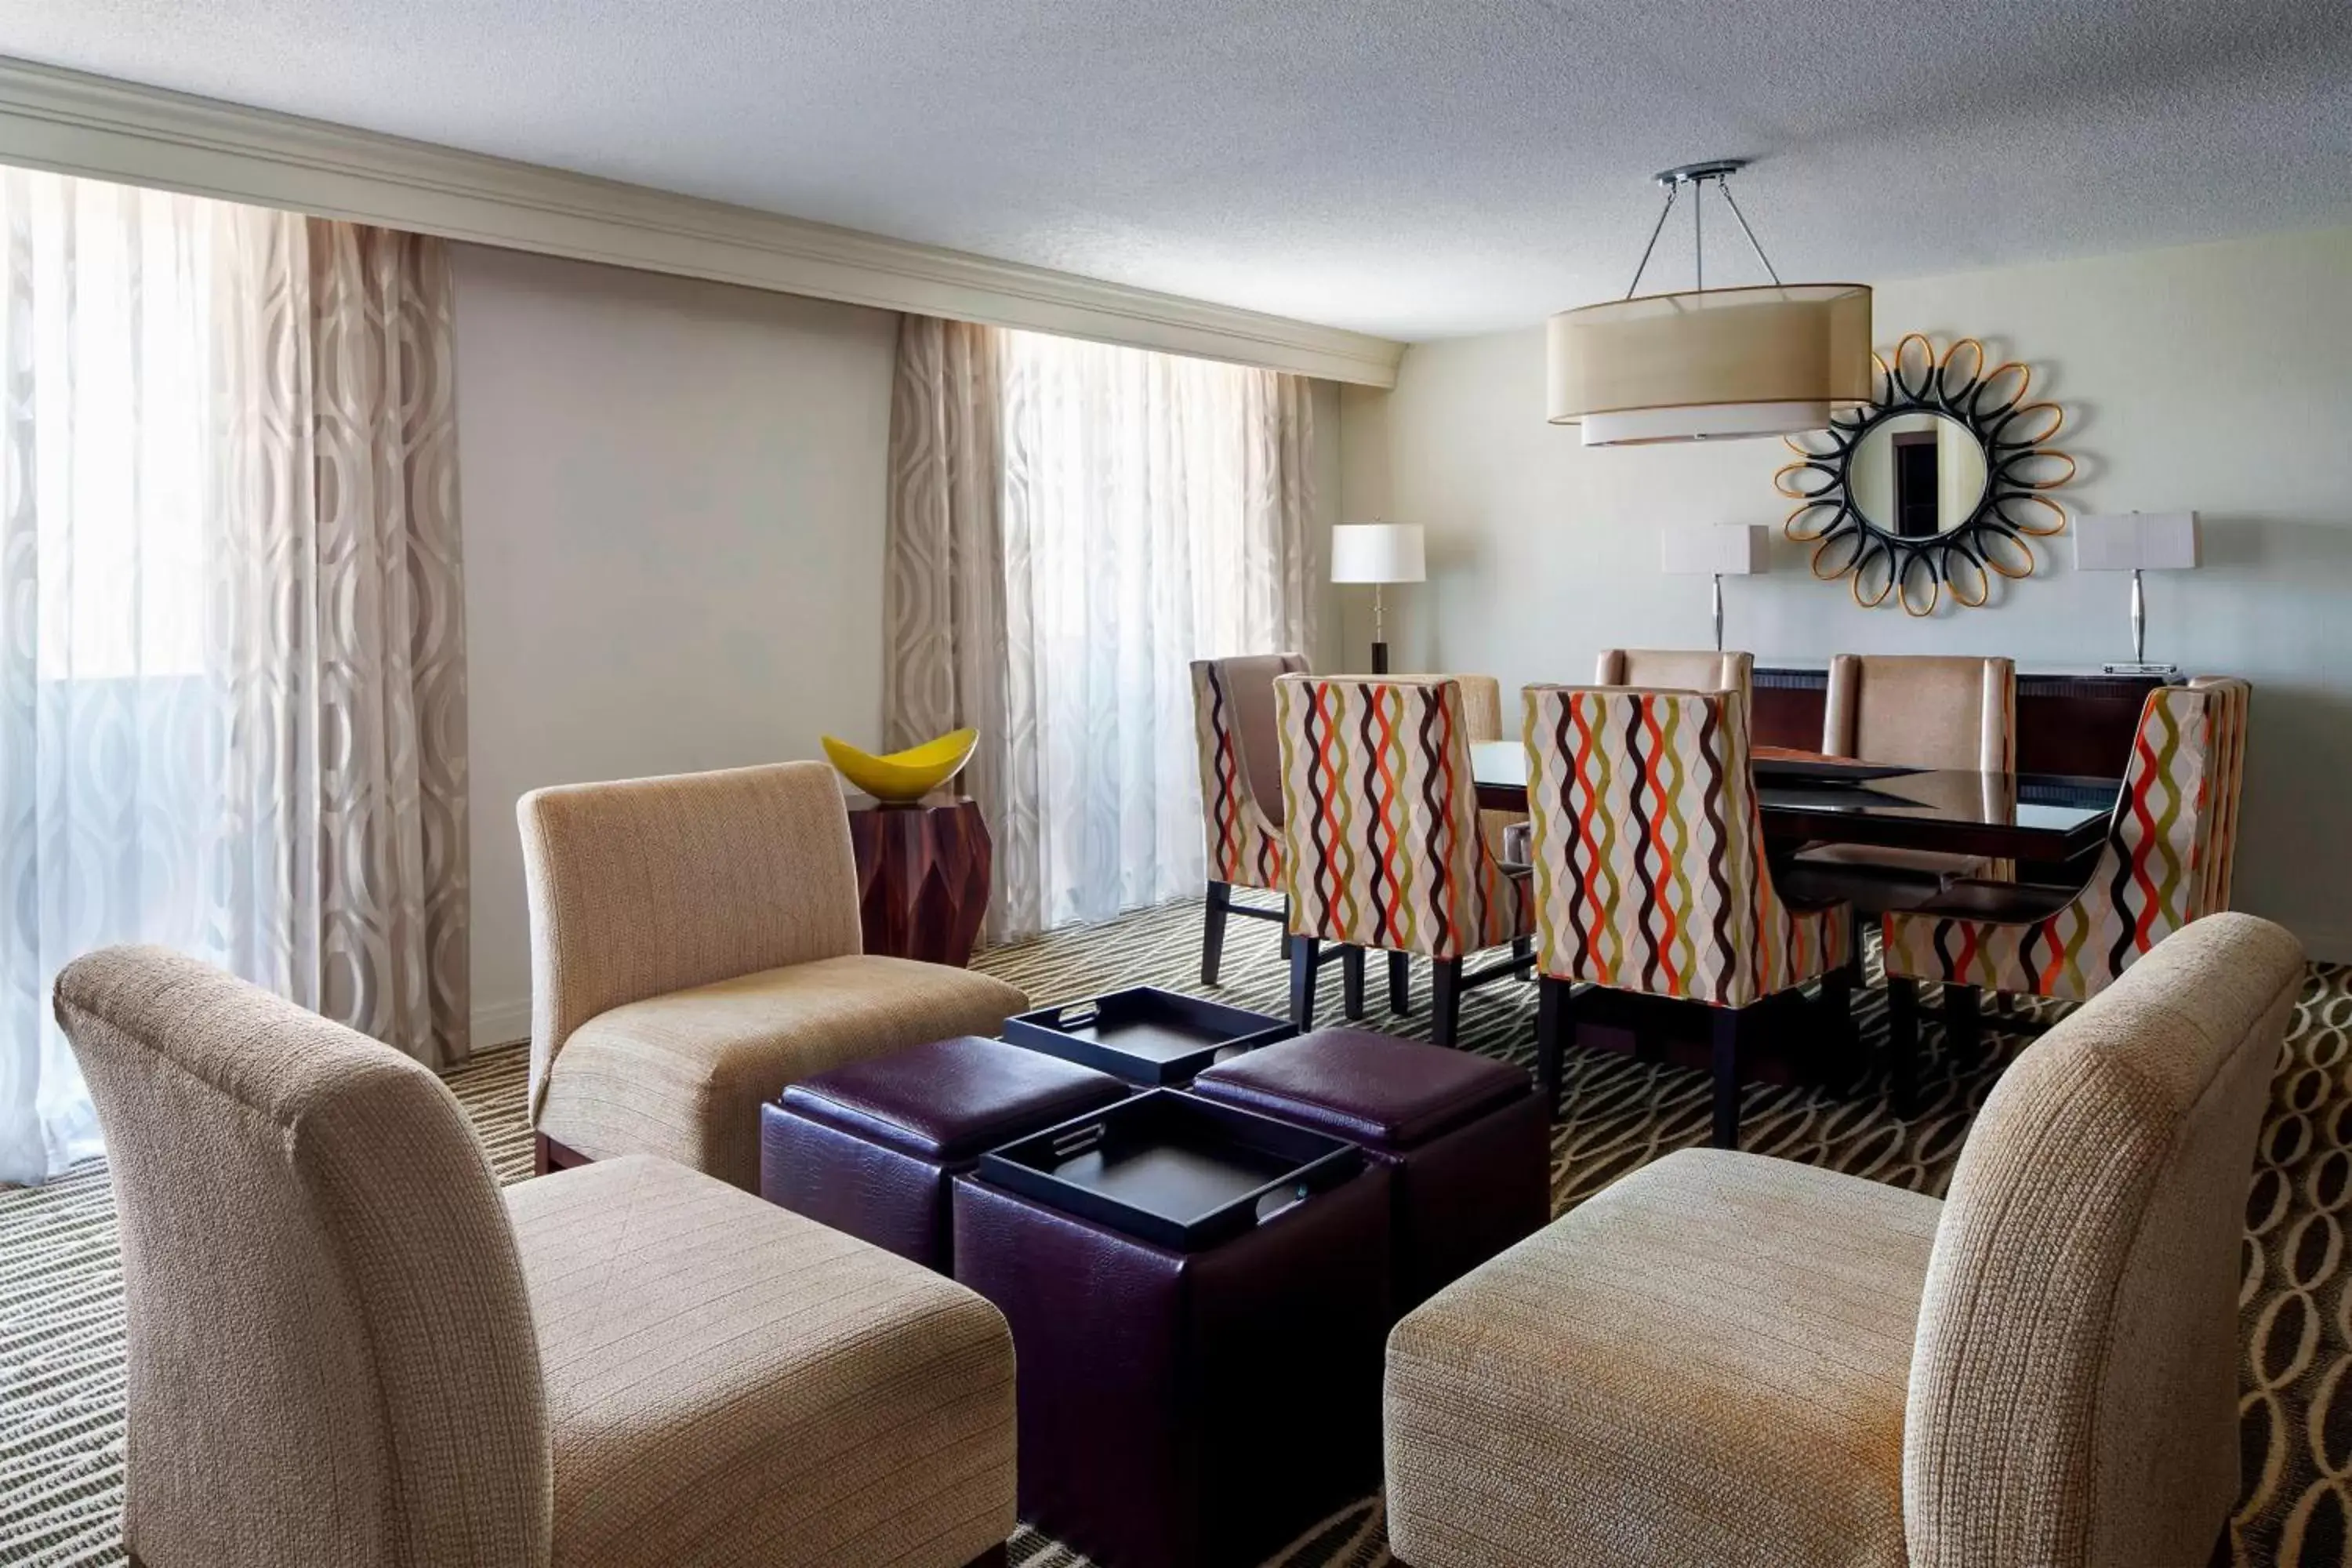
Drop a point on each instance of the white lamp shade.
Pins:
(1715, 549)
(1377, 553)
(1721, 364)
(2136, 542)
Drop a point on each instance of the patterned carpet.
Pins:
(61, 1280)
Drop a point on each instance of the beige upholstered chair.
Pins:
(695, 947)
(1725, 1358)
(1241, 787)
(345, 1348)
(1923, 711)
(1676, 669)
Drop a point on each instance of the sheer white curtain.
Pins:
(1071, 525)
(180, 555)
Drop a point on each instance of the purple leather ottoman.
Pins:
(1464, 1135)
(869, 1148)
(1188, 1409)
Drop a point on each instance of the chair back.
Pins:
(650, 886)
(2148, 881)
(2231, 702)
(332, 1357)
(1380, 840)
(1650, 871)
(1923, 711)
(1677, 669)
(1482, 707)
(2074, 1394)
(1241, 764)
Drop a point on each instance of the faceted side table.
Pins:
(922, 876)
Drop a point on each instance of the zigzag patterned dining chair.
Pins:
(1650, 872)
(1382, 844)
(1241, 786)
(2158, 871)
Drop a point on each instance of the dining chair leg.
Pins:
(1837, 1020)
(1554, 1031)
(1400, 983)
(1281, 929)
(1730, 1026)
(1963, 1021)
(1212, 930)
(1351, 983)
(1903, 1042)
(1523, 956)
(1302, 981)
(1444, 999)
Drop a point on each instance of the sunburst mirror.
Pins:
(1940, 484)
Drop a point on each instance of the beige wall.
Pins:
(673, 497)
(2216, 377)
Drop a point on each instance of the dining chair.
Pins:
(1241, 787)
(2232, 700)
(1651, 875)
(1728, 1359)
(2154, 873)
(1922, 712)
(348, 1345)
(1381, 843)
(1677, 669)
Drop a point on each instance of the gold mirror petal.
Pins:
(2035, 514)
(1918, 586)
(1874, 576)
(2032, 425)
(2001, 389)
(1970, 584)
(1812, 521)
(1836, 553)
(2010, 556)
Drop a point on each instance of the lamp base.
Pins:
(2138, 667)
(1380, 658)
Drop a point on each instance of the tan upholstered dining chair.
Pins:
(695, 947)
(1725, 1358)
(347, 1346)
(1241, 787)
(1383, 846)
(1676, 669)
(1922, 712)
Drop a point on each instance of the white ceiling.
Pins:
(1413, 168)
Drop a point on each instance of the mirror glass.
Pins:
(1917, 474)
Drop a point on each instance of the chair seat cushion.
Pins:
(947, 1101)
(683, 1076)
(1933, 863)
(1366, 1088)
(1706, 1363)
(730, 1383)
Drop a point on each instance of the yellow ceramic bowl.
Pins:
(904, 777)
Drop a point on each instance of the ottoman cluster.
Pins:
(1200, 1281)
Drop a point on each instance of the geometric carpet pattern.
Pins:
(61, 1340)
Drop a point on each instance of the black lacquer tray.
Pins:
(1145, 1035)
(1171, 1170)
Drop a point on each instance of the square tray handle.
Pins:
(1077, 1016)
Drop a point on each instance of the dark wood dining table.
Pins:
(2050, 824)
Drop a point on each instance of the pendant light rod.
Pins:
(1753, 244)
(1656, 229)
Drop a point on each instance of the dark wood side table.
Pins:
(922, 876)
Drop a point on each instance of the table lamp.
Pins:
(1378, 553)
(2137, 541)
(1716, 550)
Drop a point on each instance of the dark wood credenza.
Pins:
(2078, 724)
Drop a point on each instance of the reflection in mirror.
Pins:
(1917, 474)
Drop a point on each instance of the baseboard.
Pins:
(2327, 942)
(501, 1023)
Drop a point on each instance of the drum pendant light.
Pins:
(1710, 363)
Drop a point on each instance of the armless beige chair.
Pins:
(1730, 1359)
(346, 1348)
(1923, 711)
(695, 947)
(1676, 669)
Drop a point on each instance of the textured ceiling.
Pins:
(1408, 167)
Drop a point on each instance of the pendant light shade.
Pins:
(1709, 364)
(1726, 363)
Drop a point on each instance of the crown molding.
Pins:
(80, 124)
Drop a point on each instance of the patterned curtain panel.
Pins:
(1071, 525)
(232, 709)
